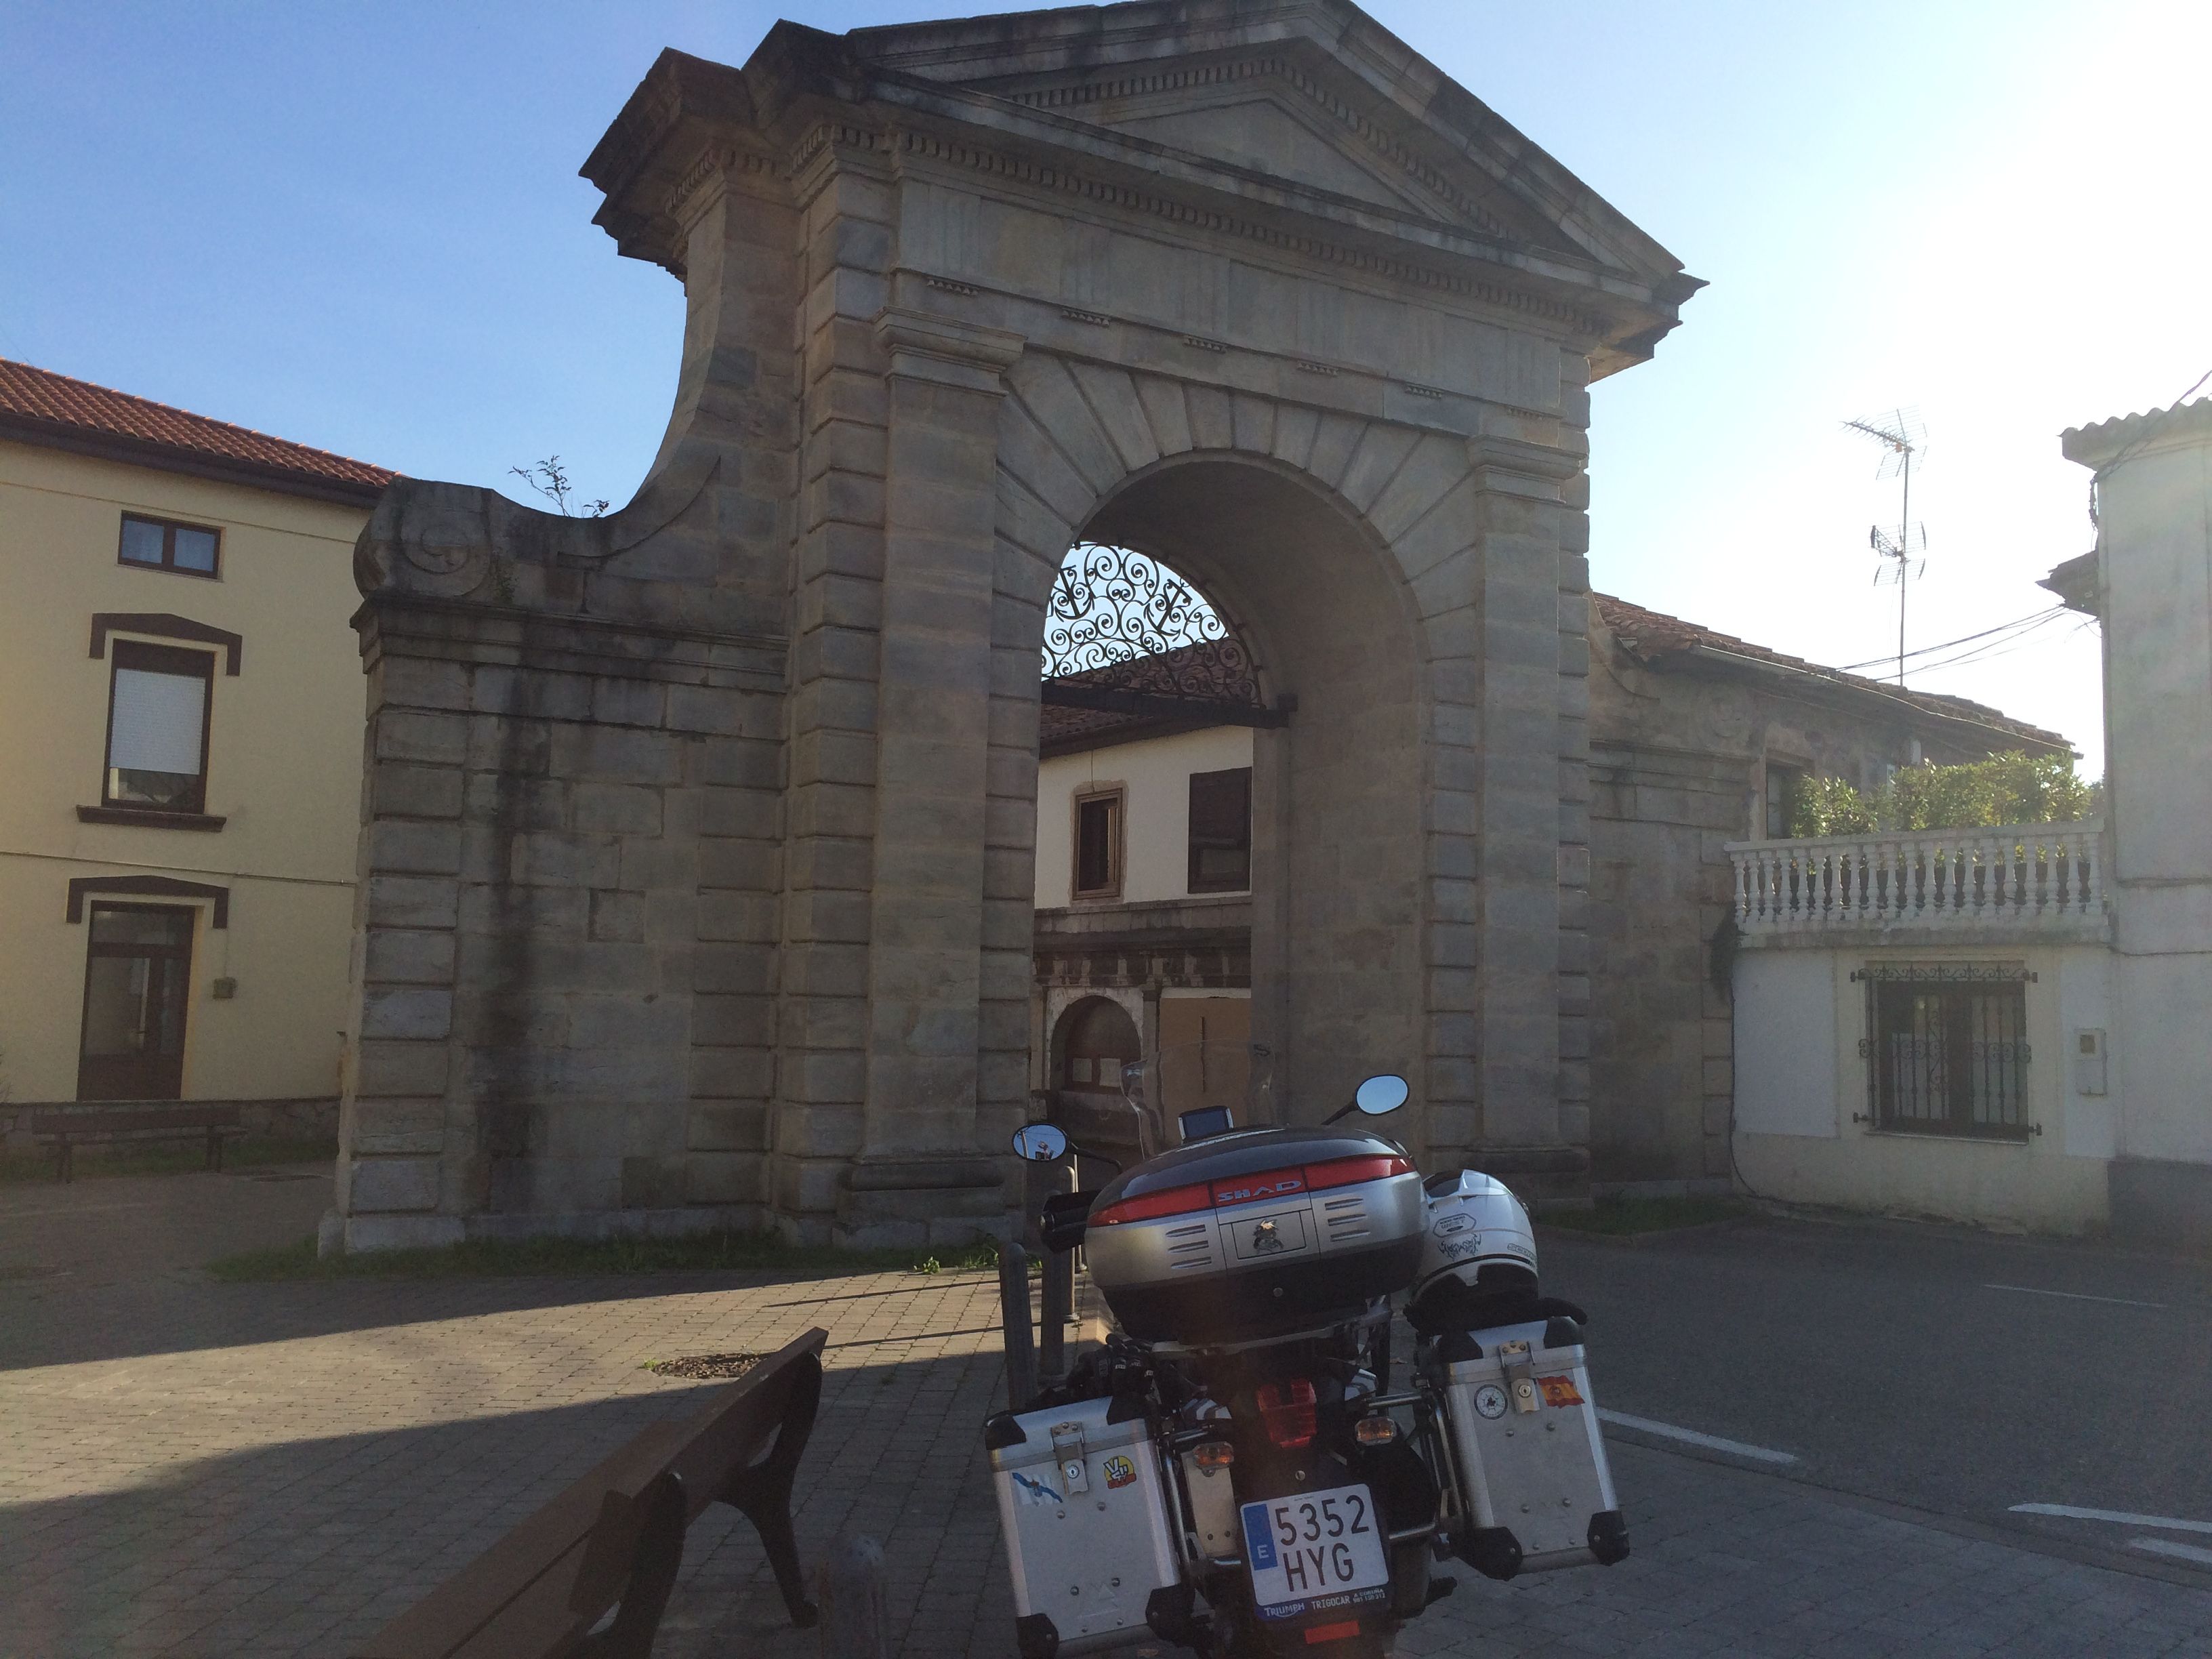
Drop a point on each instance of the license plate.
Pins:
(1315, 1551)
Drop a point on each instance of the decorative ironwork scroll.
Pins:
(1119, 620)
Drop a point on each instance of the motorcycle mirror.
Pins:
(1040, 1143)
(1379, 1095)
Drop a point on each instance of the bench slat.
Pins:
(718, 1440)
(553, 1576)
(481, 1592)
(139, 1118)
(538, 1621)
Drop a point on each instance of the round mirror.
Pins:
(1379, 1095)
(1041, 1143)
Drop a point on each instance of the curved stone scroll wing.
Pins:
(456, 541)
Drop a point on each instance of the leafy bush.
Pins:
(2013, 788)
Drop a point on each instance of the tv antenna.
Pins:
(1905, 554)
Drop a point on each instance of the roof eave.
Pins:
(175, 457)
(2010, 736)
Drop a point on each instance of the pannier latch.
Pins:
(1520, 1376)
(1067, 1448)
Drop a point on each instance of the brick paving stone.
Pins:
(189, 1468)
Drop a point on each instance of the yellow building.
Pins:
(181, 700)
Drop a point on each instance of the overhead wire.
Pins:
(1994, 648)
(2035, 618)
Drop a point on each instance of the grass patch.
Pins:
(167, 1158)
(1623, 1217)
(489, 1258)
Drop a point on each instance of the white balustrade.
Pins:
(2016, 876)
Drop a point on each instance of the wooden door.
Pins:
(137, 982)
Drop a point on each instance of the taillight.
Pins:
(1288, 1412)
(1316, 1634)
(1148, 1206)
(1251, 1189)
(1348, 1171)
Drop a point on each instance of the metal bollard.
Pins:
(1014, 1319)
(850, 1588)
(1052, 1320)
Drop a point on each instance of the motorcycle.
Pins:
(1233, 1470)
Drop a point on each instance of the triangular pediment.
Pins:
(1312, 93)
(1256, 132)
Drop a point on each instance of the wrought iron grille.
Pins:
(1948, 1050)
(1118, 619)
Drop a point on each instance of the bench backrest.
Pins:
(134, 1118)
(558, 1573)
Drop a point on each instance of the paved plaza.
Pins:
(189, 1467)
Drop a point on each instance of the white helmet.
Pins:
(1477, 1237)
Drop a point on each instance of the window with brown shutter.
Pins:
(157, 728)
(1221, 831)
(1098, 845)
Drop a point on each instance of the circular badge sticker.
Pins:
(1490, 1400)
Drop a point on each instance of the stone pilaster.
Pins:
(1533, 759)
(919, 1172)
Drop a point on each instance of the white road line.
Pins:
(2075, 1296)
(1712, 1441)
(2117, 1517)
(2168, 1547)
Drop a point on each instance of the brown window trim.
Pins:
(169, 528)
(157, 654)
(161, 625)
(148, 887)
(150, 818)
(1119, 795)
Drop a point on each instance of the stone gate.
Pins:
(696, 861)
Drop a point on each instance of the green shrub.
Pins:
(2012, 787)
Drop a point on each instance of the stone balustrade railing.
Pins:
(2022, 876)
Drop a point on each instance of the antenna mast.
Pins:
(1901, 435)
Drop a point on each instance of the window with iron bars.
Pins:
(1947, 1050)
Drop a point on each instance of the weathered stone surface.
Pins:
(727, 797)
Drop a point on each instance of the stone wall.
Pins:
(1678, 757)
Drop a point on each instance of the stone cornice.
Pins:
(835, 112)
(929, 346)
(1512, 464)
(903, 142)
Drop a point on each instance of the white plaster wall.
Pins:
(2155, 558)
(1786, 1054)
(1800, 1079)
(1155, 775)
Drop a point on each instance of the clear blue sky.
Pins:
(361, 228)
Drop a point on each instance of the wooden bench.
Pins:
(64, 1132)
(615, 1540)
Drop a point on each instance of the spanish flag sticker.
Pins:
(1559, 1391)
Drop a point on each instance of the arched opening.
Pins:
(1096, 1040)
(1231, 767)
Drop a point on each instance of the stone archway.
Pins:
(697, 872)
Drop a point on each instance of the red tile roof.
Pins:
(39, 406)
(1653, 635)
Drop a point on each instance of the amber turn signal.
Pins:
(1214, 1454)
(1374, 1430)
